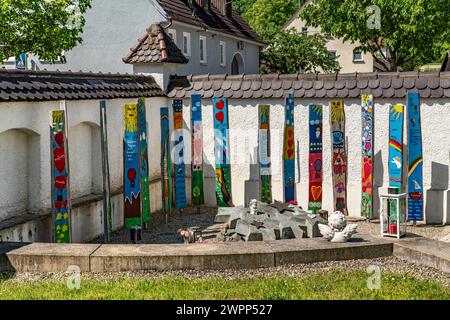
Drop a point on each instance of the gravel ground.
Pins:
(160, 233)
(391, 264)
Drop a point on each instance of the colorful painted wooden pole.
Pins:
(367, 142)
(107, 209)
(415, 159)
(143, 161)
(339, 162)
(315, 157)
(265, 182)
(221, 151)
(396, 118)
(166, 163)
(180, 170)
(60, 178)
(131, 181)
(289, 151)
(197, 151)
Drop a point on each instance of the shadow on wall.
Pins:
(378, 182)
(252, 185)
(435, 196)
(20, 176)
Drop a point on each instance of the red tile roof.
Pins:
(155, 46)
(213, 19)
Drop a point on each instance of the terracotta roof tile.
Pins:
(155, 47)
(387, 85)
(55, 85)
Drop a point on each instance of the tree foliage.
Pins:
(41, 27)
(288, 51)
(270, 15)
(241, 6)
(412, 31)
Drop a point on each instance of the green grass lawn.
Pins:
(331, 285)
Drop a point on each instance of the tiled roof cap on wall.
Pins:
(54, 85)
(351, 85)
(155, 47)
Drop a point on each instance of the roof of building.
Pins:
(446, 63)
(155, 47)
(351, 85)
(18, 85)
(179, 10)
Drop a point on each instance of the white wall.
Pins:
(243, 119)
(112, 28)
(25, 157)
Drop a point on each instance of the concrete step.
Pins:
(39, 257)
(424, 251)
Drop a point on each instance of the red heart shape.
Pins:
(58, 205)
(316, 192)
(220, 105)
(367, 169)
(65, 203)
(291, 133)
(290, 143)
(59, 159)
(60, 182)
(290, 153)
(220, 116)
(59, 138)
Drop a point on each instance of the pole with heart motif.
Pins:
(315, 157)
(60, 178)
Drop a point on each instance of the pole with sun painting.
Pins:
(131, 181)
(339, 157)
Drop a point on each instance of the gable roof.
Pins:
(332, 86)
(179, 10)
(16, 85)
(155, 47)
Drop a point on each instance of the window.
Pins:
(333, 55)
(172, 34)
(223, 53)
(187, 44)
(202, 49)
(357, 56)
(304, 31)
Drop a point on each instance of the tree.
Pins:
(270, 15)
(398, 34)
(44, 28)
(288, 51)
(241, 6)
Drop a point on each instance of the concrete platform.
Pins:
(424, 251)
(38, 257)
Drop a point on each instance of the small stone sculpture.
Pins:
(253, 207)
(187, 235)
(337, 229)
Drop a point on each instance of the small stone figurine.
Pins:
(253, 206)
(337, 229)
(187, 235)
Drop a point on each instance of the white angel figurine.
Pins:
(337, 229)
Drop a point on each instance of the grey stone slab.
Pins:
(224, 215)
(230, 255)
(244, 228)
(424, 251)
(318, 249)
(46, 257)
